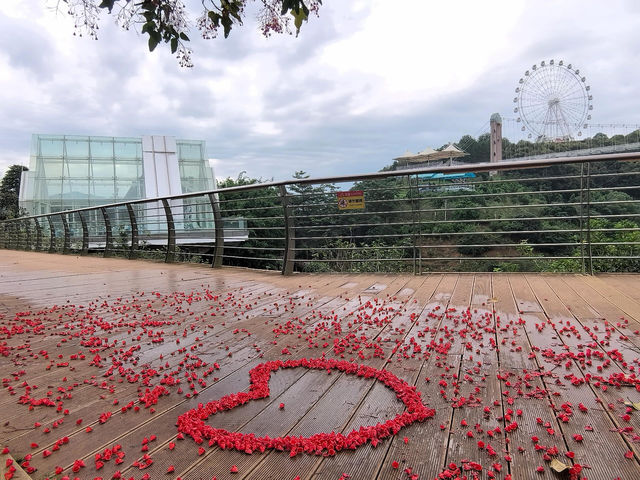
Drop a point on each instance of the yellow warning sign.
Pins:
(350, 200)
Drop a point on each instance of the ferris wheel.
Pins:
(553, 102)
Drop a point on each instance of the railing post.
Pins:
(67, 235)
(52, 235)
(414, 226)
(218, 225)
(24, 243)
(589, 218)
(582, 240)
(17, 225)
(16, 234)
(5, 235)
(108, 240)
(85, 234)
(134, 231)
(288, 259)
(10, 236)
(21, 237)
(27, 232)
(38, 235)
(171, 232)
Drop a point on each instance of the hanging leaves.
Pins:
(168, 21)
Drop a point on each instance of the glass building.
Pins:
(68, 171)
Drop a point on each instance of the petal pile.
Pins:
(192, 422)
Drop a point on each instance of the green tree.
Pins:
(313, 207)
(388, 211)
(311, 201)
(261, 208)
(9, 191)
(168, 21)
(478, 150)
(633, 137)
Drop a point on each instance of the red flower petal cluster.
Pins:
(193, 424)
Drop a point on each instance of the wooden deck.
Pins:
(518, 369)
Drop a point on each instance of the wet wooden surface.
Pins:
(519, 369)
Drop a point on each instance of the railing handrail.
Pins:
(502, 222)
(474, 167)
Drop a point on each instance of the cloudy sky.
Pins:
(361, 84)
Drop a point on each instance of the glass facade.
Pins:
(195, 172)
(68, 172)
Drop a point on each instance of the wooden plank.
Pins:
(479, 385)
(368, 461)
(621, 327)
(461, 297)
(612, 348)
(425, 451)
(464, 329)
(610, 444)
(572, 303)
(513, 345)
(622, 294)
(325, 414)
(377, 406)
(626, 284)
(445, 288)
(359, 300)
(164, 429)
(525, 299)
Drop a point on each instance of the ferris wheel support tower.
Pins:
(495, 123)
(495, 152)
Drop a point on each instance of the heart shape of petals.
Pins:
(192, 422)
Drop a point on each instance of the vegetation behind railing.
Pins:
(578, 214)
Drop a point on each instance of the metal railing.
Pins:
(563, 214)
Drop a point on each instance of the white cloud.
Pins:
(362, 83)
(407, 57)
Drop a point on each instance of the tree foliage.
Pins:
(261, 208)
(9, 191)
(169, 21)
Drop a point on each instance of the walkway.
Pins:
(99, 358)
